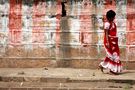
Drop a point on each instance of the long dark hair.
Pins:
(110, 15)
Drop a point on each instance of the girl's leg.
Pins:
(101, 68)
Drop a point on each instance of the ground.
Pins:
(64, 79)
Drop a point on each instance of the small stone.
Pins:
(21, 73)
(93, 74)
(21, 83)
(45, 68)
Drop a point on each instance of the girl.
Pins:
(112, 61)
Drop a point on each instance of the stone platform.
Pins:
(64, 79)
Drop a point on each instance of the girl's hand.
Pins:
(107, 45)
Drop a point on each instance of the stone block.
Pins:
(65, 37)
(16, 51)
(2, 51)
(4, 88)
(49, 88)
(88, 52)
(57, 79)
(18, 88)
(88, 38)
(63, 63)
(12, 79)
(131, 54)
(33, 89)
(64, 52)
(32, 79)
(81, 89)
(95, 38)
(122, 36)
(23, 63)
(62, 88)
(39, 52)
(74, 37)
(121, 22)
(128, 65)
(123, 53)
(130, 22)
(53, 51)
(69, 52)
(26, 37)
(92, 64)
(43, 79)
(75, 52)
(101, 52)
(130, 38)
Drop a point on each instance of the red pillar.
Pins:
(86, 24)
(15, 21)
(38, 17)
(58, 17)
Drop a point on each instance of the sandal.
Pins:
(113, 73)
(101, 68)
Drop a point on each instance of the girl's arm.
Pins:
(106, 28)
(107, 39)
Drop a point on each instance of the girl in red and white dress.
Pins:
(112, 60)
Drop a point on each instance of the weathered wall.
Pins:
(33, 34)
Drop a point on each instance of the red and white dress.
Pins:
(112, 60)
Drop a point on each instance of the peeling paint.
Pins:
(37, 24)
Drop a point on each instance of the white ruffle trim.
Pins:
(114, 68)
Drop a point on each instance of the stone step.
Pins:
(63, 75)
(64, 86)
(60, 89)
(63, 79)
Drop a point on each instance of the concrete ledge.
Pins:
(63, 80)
(63, 88)
(63, 75)
(50, 62)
